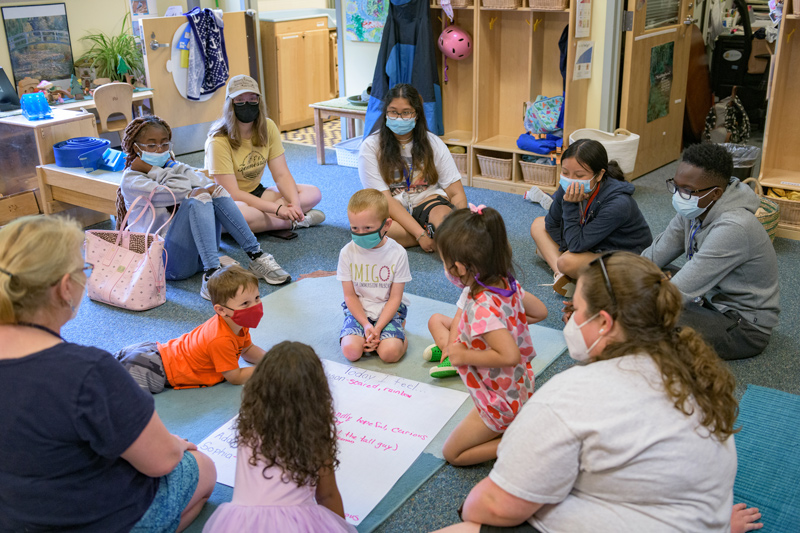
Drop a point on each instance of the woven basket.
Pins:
(796, 7)
(455, 3)
(549, 5)
(494, 167)
(461, 162)
(771, 211)
(538, 174)
(621, 145)
(501, 4)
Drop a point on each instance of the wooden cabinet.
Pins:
(780, 161)
(297, 69)
(515, 58)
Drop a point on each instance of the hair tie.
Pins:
(478, 210)
(665, 277)
(6, 272)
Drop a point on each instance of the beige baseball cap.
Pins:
(241, 84)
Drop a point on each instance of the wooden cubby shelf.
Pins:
(780, 160)
(515, 58)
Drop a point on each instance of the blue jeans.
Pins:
(193, 238)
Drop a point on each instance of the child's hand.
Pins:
(185, 443)
(456, 352)
(371, 338)
(140, 166)
(566, 311)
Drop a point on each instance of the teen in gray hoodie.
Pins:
(730, 278)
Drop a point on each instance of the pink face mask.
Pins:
(248, 317)
(454, 280)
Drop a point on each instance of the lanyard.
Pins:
(591, 199)
(512, 287)
(408, 174)
(694, 227)
(43, 328)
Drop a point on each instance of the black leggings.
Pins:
(422, 212)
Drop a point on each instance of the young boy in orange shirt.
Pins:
(209, 353)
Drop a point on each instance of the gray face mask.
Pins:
(246, 113)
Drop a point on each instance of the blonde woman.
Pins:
(639, 437)
(82, 447)
(240, 146)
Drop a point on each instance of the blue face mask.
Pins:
(401, 126)
(155, 158)
(565, 182)
(369, 240)
(688, 208)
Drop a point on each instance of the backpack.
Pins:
(727, 122)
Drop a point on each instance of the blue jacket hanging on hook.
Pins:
(208, 59)
(407, 55)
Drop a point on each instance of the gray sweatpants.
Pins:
(143, 362)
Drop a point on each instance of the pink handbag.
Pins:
(129, 267)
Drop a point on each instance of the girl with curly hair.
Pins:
(287, 450)
(638, 437)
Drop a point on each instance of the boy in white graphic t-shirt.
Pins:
(373, 270)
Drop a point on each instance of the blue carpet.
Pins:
(768, 448)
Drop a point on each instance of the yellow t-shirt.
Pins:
(247, 162)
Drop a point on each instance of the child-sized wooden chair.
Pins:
(111, 99)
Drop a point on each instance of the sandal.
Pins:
(432, 353)
(444, 370)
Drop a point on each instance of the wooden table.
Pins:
(66, 187)
(338, 107)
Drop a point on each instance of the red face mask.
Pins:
(248, 317)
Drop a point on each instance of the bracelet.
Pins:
(424, 233)
(279, 208)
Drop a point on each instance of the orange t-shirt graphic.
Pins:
(198, 358)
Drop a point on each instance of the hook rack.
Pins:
(536, 23)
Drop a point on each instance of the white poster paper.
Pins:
(583, 19)
(583, 60)
(384, 422)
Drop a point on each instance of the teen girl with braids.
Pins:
(412, 167)
(287, 450)
(192, 237)
(637, 437)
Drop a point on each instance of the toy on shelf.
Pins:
(75, 88)
(26, 86)
(54, 94)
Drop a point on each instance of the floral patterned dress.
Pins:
(498, 392)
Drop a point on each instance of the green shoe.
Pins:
(444, 370)
(432, 353)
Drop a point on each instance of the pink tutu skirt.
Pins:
(233, 518)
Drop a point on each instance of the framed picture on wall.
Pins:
(38, 42)
(144, 8)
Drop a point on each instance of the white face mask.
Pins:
(576, 344)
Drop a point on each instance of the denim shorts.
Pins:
(175, 490)
(393, 330)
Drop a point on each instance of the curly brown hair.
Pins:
(646, 305)
(287, 415)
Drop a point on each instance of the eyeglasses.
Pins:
(605, 275)
(405, 114)
(686, 194)
(164, 147)
(87, 269)
(247, 102)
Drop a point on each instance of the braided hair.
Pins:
(134, 128)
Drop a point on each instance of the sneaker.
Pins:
(266, 267)
(444, 370)
(204, 287)
(226, 260)
(537, 195)
(432, 353)
(564, 285)
(313, 217)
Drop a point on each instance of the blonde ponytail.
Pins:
(35, 253)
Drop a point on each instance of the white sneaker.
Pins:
(267, 268)
(204, 288)
(537, 195)
(312, 218)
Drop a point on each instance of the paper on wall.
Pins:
(583, 60)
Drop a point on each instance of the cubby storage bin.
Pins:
(549, 5)
(461, 162)
(538, 174)
(501, 4)
(495, 167)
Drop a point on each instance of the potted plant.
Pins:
(109, 55)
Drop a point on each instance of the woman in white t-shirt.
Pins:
(639, 437)
(412, 167)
